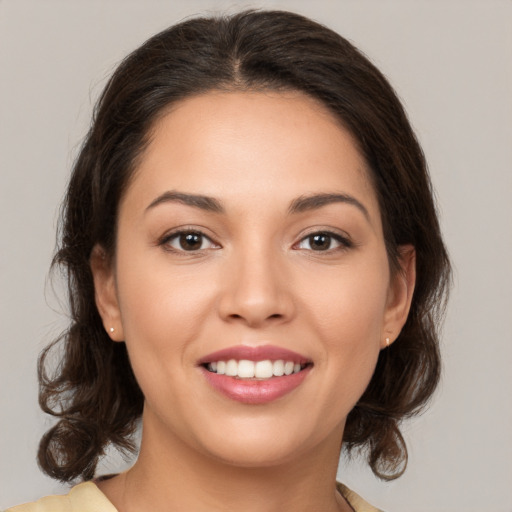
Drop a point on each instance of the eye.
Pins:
(323, 241)
(188, 241)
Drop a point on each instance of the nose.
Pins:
(257, 290)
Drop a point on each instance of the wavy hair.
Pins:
(93, 391)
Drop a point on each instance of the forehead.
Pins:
(234, 145)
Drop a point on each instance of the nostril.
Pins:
(275, 315)
(252, 309)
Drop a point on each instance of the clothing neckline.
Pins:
(356, 503)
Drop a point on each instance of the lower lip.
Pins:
(255, 391)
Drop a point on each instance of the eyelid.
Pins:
(343, 239)
(176, 232)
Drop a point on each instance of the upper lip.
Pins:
(251, 353)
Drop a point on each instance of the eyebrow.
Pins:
(299, 205)
(315, 201)
(206, 203)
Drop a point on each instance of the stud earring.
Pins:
(387, 342)
(112, 329)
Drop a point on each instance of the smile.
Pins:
(261, 370)
(255, 375)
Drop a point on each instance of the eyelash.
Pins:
(176, 235)
(344, 242)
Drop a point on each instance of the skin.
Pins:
(255, 280)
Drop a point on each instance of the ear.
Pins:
(105, 293)
(400, 294)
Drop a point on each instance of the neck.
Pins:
(174, 476)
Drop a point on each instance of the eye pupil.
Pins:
(320, 241)
(190, 241)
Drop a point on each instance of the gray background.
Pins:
(450, 62)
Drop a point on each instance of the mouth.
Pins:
(246, 369)
(255, 375)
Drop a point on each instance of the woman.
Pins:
(256, 273)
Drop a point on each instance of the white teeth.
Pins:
(231, 368)
(278, 368)
(263, 369)
(245, 369)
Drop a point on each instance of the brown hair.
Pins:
(93, 391)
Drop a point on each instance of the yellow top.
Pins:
(87, 497)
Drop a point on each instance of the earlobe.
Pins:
(105, 293)
(400, 295)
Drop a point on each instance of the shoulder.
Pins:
(85, 497)
(355, 501)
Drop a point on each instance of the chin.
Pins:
(269, 443)
(255, 455)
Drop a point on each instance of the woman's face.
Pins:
(250, 232)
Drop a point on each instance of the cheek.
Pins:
(161, 316)
(350, 314)
(163, 308)
(351, 304)
(155, 293)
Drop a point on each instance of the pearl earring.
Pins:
(387, 342)
(112, 329)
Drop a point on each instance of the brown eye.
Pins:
(324, 241)
(188, 241)
(320, 242)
